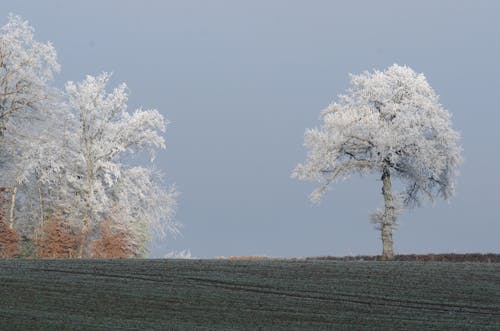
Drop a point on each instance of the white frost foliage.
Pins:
(107, 131)
(26, 66)
(184, 255)
(147, 206)
(34, 61)
(388, 119)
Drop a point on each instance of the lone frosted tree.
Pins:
(391, 123)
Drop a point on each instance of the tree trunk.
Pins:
(389, 217)
(87, 217)
(41, 207)
(89, 182)
(84, 235)
(12, 207)
(41, 216)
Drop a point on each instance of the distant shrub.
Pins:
(444, 257)
(247, 258)
(114, 241)
(183, 255)
(58, 239)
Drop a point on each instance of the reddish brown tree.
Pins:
(9, 238)
(113, 242)
(58, 239)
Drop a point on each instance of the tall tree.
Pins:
(26, 67)
(107, 132)
(391, 123)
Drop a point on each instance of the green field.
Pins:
(250, 295)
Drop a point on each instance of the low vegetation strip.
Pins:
(447, 257)
(130, 294)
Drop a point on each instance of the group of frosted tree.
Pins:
(65, 188)
(66, 192)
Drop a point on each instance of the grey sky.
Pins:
(240, 81)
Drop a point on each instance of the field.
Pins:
(265, 295)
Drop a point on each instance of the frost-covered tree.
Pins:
(26, 67)
(37, 155)
(107, 132)
(146, 207)
(390, 122)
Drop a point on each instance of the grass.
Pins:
(241, 294)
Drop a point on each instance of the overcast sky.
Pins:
(240, 81)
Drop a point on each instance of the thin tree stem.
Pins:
(12, 207)
(389, 217)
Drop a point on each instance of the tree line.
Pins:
(68, 187)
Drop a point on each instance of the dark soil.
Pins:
(131, 294)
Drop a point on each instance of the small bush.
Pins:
(58, 239)
(114, 241)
